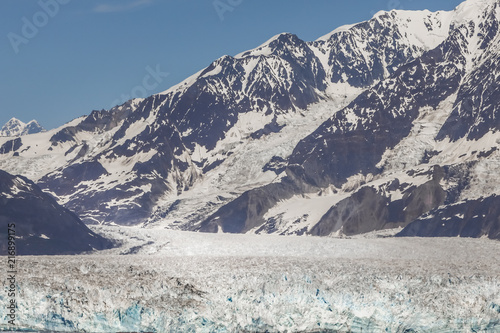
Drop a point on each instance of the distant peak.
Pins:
(15, 127)
(14, 120)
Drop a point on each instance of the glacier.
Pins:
(179, 281)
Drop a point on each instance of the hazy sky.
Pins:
(60, 59)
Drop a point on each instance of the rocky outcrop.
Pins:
(362, 212)
(370, 209)
(11, 146)
(247, 211)
(42, 227)
(472, 218)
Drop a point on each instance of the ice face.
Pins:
(234, 283)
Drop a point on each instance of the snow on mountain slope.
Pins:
(34, 158)
(439, 109)
(469, 163)
(378, 47)
(407, 84)
(233, 173)
(423, 29)
(122, 165)
(15, 127)
(182, 281)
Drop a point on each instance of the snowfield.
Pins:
(175, 281)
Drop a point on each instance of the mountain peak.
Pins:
(423, 29)
(269, 46)
(472, 9)
(14, 120)
(15, 127)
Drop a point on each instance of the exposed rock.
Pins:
(364, 211)
(472, 218)
(11, 146)
(42, 227)
(370, 210)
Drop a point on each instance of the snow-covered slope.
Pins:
(423, 137)
(15, 127)
(137, 160)
(396, 115)
(192, 282)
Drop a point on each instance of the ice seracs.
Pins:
(163, 280)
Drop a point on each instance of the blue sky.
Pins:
(60, 59)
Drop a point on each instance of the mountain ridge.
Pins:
(176, 157)
(290, 79)
(347, 143)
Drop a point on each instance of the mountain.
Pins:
(136, 160)
(15, 127)
(42, 227)
(369, 127)
(407, 146)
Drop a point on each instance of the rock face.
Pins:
(472, 218)
(42, 227)
(367, 128)
(362, 212)
(15, 127)
(370, 209)
(246, 212)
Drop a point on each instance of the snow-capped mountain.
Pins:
(15, 127)
(115, 166)
(371, 126)
(41, 226)
(423, 138)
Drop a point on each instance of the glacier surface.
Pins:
(174, 281)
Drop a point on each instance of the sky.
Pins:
(61, 59)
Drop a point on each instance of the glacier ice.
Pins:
(237, 283)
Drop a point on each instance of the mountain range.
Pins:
(389, 123)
